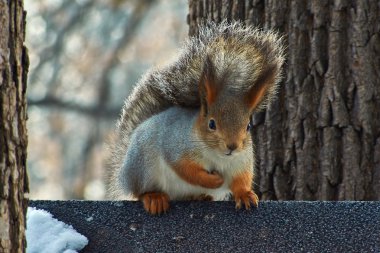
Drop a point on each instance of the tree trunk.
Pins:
(13, 135)
(321, 138)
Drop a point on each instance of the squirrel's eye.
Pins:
(249, 126)
(211, 124)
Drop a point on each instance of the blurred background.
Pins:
(85, 57)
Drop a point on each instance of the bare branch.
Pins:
(91, 111)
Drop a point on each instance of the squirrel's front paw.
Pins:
(155, 202)
(211, 180)
(246, 197)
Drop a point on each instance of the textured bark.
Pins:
(13, 136)
(321, 138)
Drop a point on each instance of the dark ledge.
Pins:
(217, 227)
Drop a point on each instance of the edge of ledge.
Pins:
(197, 226)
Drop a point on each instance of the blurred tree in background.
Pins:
(85, 58)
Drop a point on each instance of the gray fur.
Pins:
(239, 53)
(156, 138)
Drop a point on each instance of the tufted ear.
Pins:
(262, 85)
(208, 88)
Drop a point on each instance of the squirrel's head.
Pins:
(224, 121)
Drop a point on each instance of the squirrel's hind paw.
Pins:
(155, 202)
(246, 198)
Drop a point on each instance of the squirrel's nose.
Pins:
(232, 147)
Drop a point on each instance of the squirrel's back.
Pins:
(162, 137)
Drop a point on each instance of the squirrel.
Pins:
(184, 132)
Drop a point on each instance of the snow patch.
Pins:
(44, 234)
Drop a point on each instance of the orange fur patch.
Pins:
(210, 92)
(241, 188)
(195, 174)
(258, 91)
(256, 97)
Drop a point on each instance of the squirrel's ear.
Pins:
(207, 86)
(258, 92)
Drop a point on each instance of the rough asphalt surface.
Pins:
(122, 226)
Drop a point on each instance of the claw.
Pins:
(238, 203)
(254, 199)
